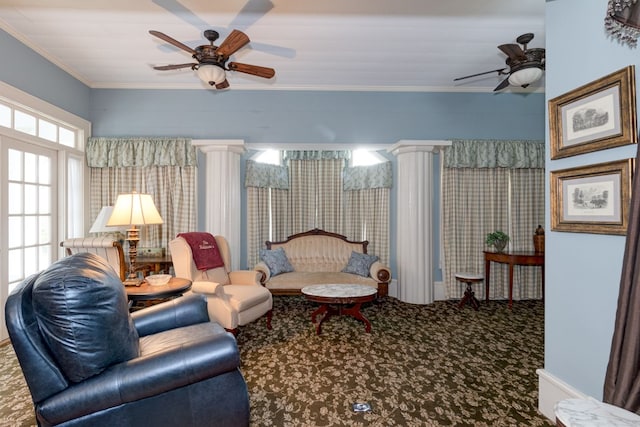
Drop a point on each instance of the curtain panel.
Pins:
(139, 152)
(162, 167)
(494, 154)
(311, 192)
(488, 186)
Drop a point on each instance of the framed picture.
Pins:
(592, 199)
(596, 116)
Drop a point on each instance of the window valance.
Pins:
(366, 177)
(104, 152)
(262, 175)
(495, 154)
(315, 155)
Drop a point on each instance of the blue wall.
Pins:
(582, 270)
(316, 117)
(24, 69)
(273, 117)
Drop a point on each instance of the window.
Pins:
(42, 186)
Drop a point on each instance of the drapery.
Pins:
(488, 186)
(162, 167)
(366, 214)
(315, 195)
(267, 193)
(622, 21)
(622, 379)
(321, 192)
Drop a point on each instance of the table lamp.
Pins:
(134, 209)
(100, 224)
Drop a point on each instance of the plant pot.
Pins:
(500, 245)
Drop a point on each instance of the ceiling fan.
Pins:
(212, 60)
(525, 66)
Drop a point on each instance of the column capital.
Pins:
(232, 145)
(417, 145)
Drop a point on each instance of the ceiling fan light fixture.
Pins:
(211, 74)
(525, 76)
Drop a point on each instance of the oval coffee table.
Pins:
(347, 298)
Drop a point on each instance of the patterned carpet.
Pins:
(433, 365)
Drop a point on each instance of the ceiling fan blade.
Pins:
(513, 51)
(250, 13)
(223, 85)
(255, 70)
(502, 85)
(499, 71)
(234, 42)
(172, 41)
(172, 67)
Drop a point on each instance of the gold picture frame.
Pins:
(596, 116)
(592, 199)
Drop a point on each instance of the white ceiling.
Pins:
(399, 45)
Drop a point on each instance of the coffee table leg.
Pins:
(327, 312)
(319, 310)
(356, 313)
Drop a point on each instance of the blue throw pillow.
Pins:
(276, 260)
(360, 264)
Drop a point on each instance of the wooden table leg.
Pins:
(329, 312)
(510, 285)
(320, 310)
(487, 275)
(357, 314)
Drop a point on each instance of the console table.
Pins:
(511, 258)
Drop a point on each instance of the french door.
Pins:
(28, 206)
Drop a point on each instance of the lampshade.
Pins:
(211, 74)
(134, 209)
(525, 76)
(100, 224)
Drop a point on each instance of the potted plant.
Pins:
(498, 239)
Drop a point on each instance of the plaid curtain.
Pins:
(171, 187)
(477, 200)
(165, 168)
(315, 195)
(367, 218)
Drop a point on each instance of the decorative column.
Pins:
(415, 206)
(222, 191)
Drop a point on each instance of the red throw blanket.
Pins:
(204, 248)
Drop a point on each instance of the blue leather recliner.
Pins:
(89, 362)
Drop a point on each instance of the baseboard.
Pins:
(552, 390)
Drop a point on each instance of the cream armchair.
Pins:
(234, 298)
(105, 247)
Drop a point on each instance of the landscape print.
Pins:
(593, 117)
(588, 199)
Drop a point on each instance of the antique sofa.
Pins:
(319, 257)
